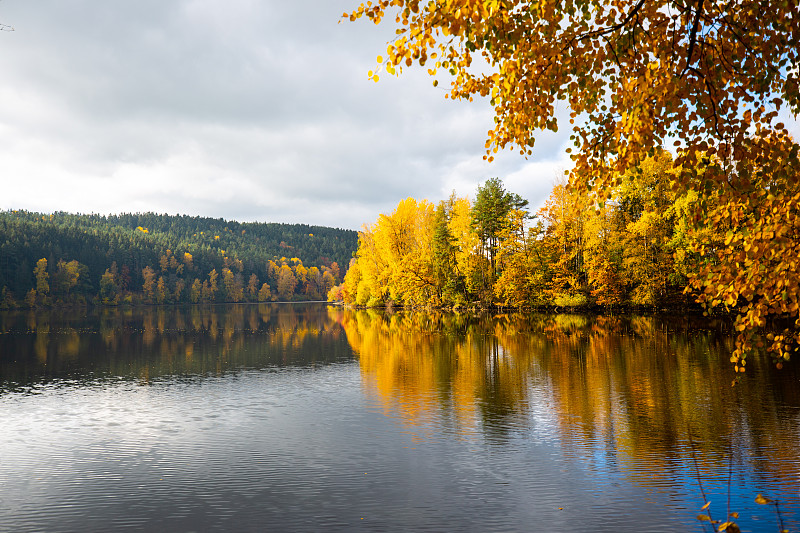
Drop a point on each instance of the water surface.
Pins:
(303, 417)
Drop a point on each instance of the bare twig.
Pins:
(699, 482)
(730, 475)
(780, 518)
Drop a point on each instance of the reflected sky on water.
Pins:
(296, 417)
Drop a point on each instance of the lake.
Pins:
(303, 417)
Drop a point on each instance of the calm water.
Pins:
(304, 417)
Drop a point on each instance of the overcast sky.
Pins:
(253, 110)
(247, 110)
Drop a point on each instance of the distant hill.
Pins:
(131, 242)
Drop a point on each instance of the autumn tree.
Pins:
(65, 277)
(188, 261)
(42, 277)
(252, 288)
(196, 291)
(604, 258)
(272, 271)
(328, 281)
(524, 268)
(162, 294)
(348, 290)
(178, 292)
(313, 283)
(711, 78)
(149, 284)
(335, 272)
(564, 215)
(368, 283)
(232, 287)
(750, 253)
(395, 256)
(301, 273)
(643, 209)
(470, 264)
(30, 298)
(638, 71)
(264, 293)
(209, 289)
(286, 282)
(42, 290)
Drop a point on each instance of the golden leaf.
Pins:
(761, 500)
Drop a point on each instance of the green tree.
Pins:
(449, 283)
(108, 288)
(490, 215)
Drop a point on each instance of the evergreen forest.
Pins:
(62, 258)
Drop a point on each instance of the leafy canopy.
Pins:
(637, 72)
(708, 77)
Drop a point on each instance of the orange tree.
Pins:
(707, 76)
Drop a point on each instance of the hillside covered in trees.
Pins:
(152, 258)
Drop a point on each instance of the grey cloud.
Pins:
(243, 109)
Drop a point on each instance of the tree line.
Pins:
(63, 258)
(640, 248)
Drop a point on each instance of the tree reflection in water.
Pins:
(639, 395)
(150, 343)
(642, 394)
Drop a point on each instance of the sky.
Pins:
(248, 110)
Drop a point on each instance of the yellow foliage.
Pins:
(638, 75)
(466, 240)
(394, 256)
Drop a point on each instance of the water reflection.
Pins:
(527, 401)
(149, 343)
(648, 396)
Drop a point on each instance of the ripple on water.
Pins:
(307, 449)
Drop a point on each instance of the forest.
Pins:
(639, 249)
(641, 245)
(714, 83)
(68, 259)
